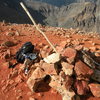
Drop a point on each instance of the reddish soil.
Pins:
(24, 33)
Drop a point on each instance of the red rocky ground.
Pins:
(12, 84)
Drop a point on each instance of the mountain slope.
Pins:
(83, 15)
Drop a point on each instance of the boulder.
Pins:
(35, 79)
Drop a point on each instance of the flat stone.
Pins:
(95, 89)
(82, 69)
(8, 44)
(53, 58)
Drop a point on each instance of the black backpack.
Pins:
(28, 47)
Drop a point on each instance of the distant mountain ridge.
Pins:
(78, 14)
(60, 3)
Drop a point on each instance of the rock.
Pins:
(93, 49)
(35, 79)
(68, 81)
(75, 42)
(19, 97)
(10, 33)
(7, 54)
(63, 44)
(38, 73)
(86, 49)
(49, 69)
(59, 49)
(8, 44)
(27, 64)
(67, 68)
(13, 74)
(7, 64)
(11, 82)
(76, 97)
(93, 44)
(17, 33)
(43, 53)
(57, 84)
(88, 61)
(67, 36)
(3, 81)
(79, 47)
(53, 91)
(82, 69)
(41, 45)
(19, 91)
(70, 54)
(95, 89)
(4, 88)
(53, 58)
(68, 41)
(97, 54)
(31, 98)
(2, 48)
(81, 87)
(29, 93)
(96, 75)
(40, 94)
(46, 47)
(90, 41)
(18, 79)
